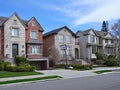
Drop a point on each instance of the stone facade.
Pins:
(9, 40)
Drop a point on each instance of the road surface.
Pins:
(109, 81)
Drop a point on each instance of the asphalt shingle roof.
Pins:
(55, 31)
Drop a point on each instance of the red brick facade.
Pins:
(39, 37)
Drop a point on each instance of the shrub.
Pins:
(6, 64)
(82, 67)
(21, 61)
(99, 55)
(20, 68)
(111, 62)
(1, 65)
(60, 66)
(111, 56)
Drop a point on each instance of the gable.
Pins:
(33, 23)
(91, 32)
(12, 19)
(108, 35)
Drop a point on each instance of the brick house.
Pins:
(22, 38)
(52, 45)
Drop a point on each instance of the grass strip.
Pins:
(31, 79)
(102, 71)
(5, 74)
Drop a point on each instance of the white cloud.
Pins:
(108, 11)
(87, 11)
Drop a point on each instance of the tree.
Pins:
(105, 26)
(54, 56)
(116, 29)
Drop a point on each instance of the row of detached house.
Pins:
(25, 38)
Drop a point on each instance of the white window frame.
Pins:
(33, 36)
(68, 39)
(35, 50)
(92, 38)
(15, 32)
(61, 38)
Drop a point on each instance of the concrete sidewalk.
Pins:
(66, 74)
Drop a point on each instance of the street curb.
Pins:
(31, 82)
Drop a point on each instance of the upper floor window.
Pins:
(15, 32)
(33, 34)
(92, 38)
(61, 38)
(14, 22)
(35, 49)
(106, 40)
(68, 39)
(33, 23)
(112, 41)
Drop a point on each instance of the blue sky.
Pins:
(76, 14)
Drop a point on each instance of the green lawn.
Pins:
(31, 79)
(102, 71)
(5, 74)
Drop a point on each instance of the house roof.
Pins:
(98, 33)
(3, 20)
(55, 31)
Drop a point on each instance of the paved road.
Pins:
(109, 81)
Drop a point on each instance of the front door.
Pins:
(14, 50)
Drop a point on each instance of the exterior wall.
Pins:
(9, 39)
(65, 32)
(39, 37)
(2, 42)
(49, 41)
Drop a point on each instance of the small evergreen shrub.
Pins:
(99, 56)
(111, 56)
(81, 67)
(111, 62)
(21, 61)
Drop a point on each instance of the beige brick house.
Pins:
(61, 36)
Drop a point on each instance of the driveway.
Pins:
(75, 74)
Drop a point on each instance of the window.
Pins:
(68, 51)
(106, 40)
(112, 41)
(92, 38)
(35, 49)
(33, 34)
(61, 38)
(68, 39)
(109, 50)
(15, 32)
(33, 23)
(94, 49)
(15, 22)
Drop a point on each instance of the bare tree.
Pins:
(54, 55)
(116, 29)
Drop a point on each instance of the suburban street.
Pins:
(109, 81)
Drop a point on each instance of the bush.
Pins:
(21, 61)
(111, 62)
(60, 66)
(82, 67)
(99, 55)
(6, 64)
(20, 68)
(111, 56)
(1, 65)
